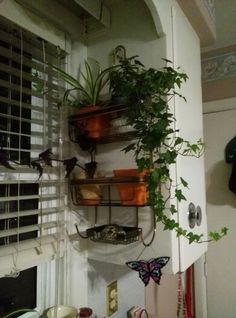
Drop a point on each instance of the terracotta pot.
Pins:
(132, 193)
(95, 126)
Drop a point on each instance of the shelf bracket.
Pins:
(80, 233)
(153, 233)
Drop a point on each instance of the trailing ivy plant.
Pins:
(148, 93)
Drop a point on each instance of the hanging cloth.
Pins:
(230, 157)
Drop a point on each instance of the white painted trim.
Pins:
(154, 10)
(200, 277)
(219, 105)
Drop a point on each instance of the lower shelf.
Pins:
(113, 234)
(110, 191)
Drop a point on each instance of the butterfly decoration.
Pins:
(149, 269)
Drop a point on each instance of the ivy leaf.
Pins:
(169, 156)
(178, 141)
(193, 237)
(216, 236)
(224, 230)
(155, 176)
(184, 183)
(173, 209)
(179, 195)
(137, 62)
(143, 163)
(166, 60)
(170, 224)
(129, 148)
(195, 148)
(180, 232)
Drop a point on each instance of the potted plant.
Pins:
(85, 95)
(123, 79)
(147, 92)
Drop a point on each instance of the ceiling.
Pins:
(225, 24)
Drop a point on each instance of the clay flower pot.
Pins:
(94, 126)
(132, 193)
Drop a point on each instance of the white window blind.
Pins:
(31, 209)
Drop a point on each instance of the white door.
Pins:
(186, 51)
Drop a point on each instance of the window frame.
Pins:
(46, 277)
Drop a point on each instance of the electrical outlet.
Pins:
(112, 298)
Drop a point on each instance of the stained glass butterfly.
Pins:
(149, 269)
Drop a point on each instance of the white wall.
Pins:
(138, 38)
(189, 122)
(219, 128)
(129, 287)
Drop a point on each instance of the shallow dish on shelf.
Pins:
(62, 311)
(114, 234)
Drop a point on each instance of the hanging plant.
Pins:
(46, 158)
(88, 87)
(147, 93)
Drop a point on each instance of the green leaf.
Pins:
(224, 230)
(194, 148)
(180, 232)
(184, 183)
(143, 163)
(178, 141)
(129, 147)
(169, 156)
(166, 60)
(215, 236)
(179, 195)
(193, 237)
(170, 224)
(173, 209)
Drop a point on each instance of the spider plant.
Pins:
(89, 90)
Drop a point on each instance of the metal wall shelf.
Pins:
(113, 134)
(107, 186)
(105, 192)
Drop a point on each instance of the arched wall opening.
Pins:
(137, 26)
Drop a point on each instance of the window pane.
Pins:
(20, 292)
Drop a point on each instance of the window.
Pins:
(31, 209)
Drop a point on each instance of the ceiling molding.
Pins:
(201, 19)
(63, 19)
